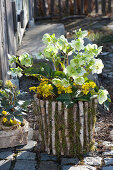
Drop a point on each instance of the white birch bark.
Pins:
(60, 133)
(86, 120)
(43, 120)
(48, 127)
(81, 113)
(53, 128)
(75, 120)
(66, 130)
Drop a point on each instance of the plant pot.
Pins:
(13, 136)
(66, 131)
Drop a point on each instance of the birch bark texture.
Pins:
(67, 132)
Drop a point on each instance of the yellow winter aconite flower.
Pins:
(87, 87)
(92, 84)
(4, 112)
(62, 89)
(47, 90)
(8, 83)
(32, 88)
(14, 122)
(68, 89)
(4, 119)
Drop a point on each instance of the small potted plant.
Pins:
(13, 128)
(66, 99)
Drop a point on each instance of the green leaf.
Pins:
(19, 118)
(106, 105)
(59, 74)
(84, 98)
(64, 97)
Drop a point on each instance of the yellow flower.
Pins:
(8, 83)
(86, 88)
(68, 89)
(4, 112)
(47, 90)
(92, 84)
(14, 122)
(32, 88)
(4, 119)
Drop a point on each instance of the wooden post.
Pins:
(103, 7)
(89, 6)
(60, 8)
(82, 7)
(44, 7)
(81, 114)
(75, 7)
(67, 8)
(53, 128)
(109, 6)
(52, 8)
(96, 6)
(66, 129)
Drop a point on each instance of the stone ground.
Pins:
(28, 157)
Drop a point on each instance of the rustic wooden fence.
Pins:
(7, 40)
(64, 8)
(14, 17)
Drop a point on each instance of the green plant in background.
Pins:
(11, 108)
(68, 82)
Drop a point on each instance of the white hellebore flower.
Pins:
(97, 66)
(77, 44)
(102, 96)
(14, 72)
(65, 83)
(79, 80)
(12, 59)
(25, 59)
(46, 38)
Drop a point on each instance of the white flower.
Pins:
(12, 59)
(26, 59)
(102, 96)
(77, 44)
(97, 66)
(14, 72)
(65, 83)
(56, 81)
(81, 34)
(77, 62)
(79, 80)
(75, 71)
(46, 38)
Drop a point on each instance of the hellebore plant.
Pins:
(11, 108)
(68, 81)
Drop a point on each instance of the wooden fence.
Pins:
(64, 8)
(14, 17)
(7, 40)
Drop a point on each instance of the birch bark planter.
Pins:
(65, 131)
(13, 137)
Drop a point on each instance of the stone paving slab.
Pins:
(30, 145)
(47, 165)
(95, 161)
(108, 153)
(32, 41)
(25, 165)
(107, 168)
(24, 155)
(79, 167)
(46, 157)
(5, 164)
(8, 155)
(108, 161)
(66, 161)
